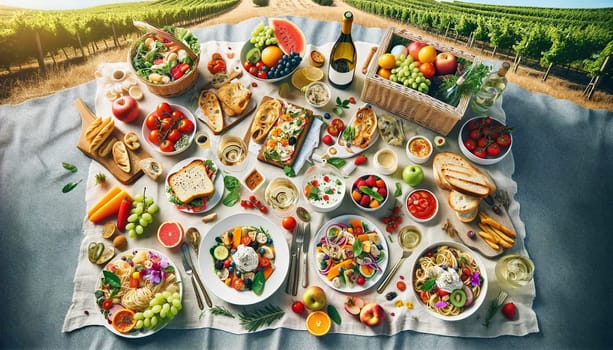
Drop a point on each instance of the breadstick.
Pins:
(371, 53)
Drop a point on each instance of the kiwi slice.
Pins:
(457, 298)
(254, 55)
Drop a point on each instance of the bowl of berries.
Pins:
(369, 192)
(485, 140)
(274, 51)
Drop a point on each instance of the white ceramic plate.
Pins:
(227, 293)
(145, 131)
(212, 201)
(161, 325)
(343, 150)
(370, 282)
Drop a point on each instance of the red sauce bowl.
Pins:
(421, 205)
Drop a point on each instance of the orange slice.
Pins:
(123, 320)
(318, 323)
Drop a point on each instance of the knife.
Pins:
(299, 243)
(292, 262)
(305, 253)
(188, 264)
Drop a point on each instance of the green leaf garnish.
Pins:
(111, 279)
(357, 247)
(69, 167)
(220, 310)
(254, 319)
(398, 191)
(289, 171)
(336, 162)
(231, 199)
(428, 285)
(70, 186)
(369, 191)
(257, 285)
(231, 183)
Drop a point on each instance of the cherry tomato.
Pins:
(260, 65)
(427, 69)
(264, 261)
(474, 124)
(470, 144)
(216, 57)
(360, 281)
(238, 283)
(163, 110)
(493, 149)
(166, 123)
(441, 293)
(475, 134)
(167, 146)
(107, 304)
(480, 152)
(298, 307)
(336, 127)
(503, 140)
(174, 135)
(152, 121)
(401, 286)
(483, 142)
(424, 296)
(248, 65)
(186, 126)
(177, 115)
(134, 282)
(154, 136)
(289, 223)
(262, 74)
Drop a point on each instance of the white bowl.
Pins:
(317, 94)
(145, 131)
(466, 311)
(421, 153)
(428, 196)
(248, 46)
(386, 161)
(355, 187)
(335, 183)
(488, 160)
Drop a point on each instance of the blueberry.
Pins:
(237, 273)
(262, 251)
(292, 140)
(327, 115)
(248, 283)
(218, 265)
(391, 295)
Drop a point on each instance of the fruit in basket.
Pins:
(445, 63)
(414, 48)
(387, 61)
(427, 54)
(314, 298)
(406, 72)
(427, 69)
(126, 109)
(289, 37)
(372, 314)
(413, 174)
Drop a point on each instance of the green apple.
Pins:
(413, 174)
(314, 298)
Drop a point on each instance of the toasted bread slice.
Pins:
(191, 181)
(467, 216)
(461, 202)
(264, 118)
(453, 172)
(234, 98)
(209, 105)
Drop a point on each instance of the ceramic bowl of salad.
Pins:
(323, 188)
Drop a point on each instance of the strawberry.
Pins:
(359, 160)
(371, 181)
(365, 201)
(509, 311)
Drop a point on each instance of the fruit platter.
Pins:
(274, 51)
(244, 259)
(139, 293)
(350, 254)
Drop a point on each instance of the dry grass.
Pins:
(16, 91)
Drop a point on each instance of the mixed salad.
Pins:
(161, 61)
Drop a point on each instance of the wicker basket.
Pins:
(173, 88)
(405, 102)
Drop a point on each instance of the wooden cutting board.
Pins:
(299, 141)
(87, 118)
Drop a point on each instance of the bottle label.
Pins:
(340, 78)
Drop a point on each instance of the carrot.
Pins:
(107, 197)
(236, 238)
(268, 271)
(109, 208)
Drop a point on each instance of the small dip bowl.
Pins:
(419, 149)
(317, 94)
(386, 161)
(323, 188)
(254, 180)
(422, 205)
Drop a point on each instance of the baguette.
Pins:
(106, 129)
(209, 105)
(121, 156)
(454, 172)
(191, 181)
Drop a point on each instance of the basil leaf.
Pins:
(111, 279)
(231, 183)
(333, 313)
(289, 171)
(369, 191)
(398, 191)
(336, 162)
(231, 199)
(69, 167)
(257, 285)
(428, 285)
(70, 186)
(357, 247)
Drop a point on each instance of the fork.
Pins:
(495, 306)
(296, 266)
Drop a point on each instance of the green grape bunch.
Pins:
(263, 36)
(406, 72)
(141, 214)
(162, 308)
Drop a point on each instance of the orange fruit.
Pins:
(318, 323)
(384, 73)
(427, 54)
(123, 320)
(170, 234)
(387, 61)
(271, 55)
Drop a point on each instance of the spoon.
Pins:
(303, 214)
(405, 254)
(193, 237)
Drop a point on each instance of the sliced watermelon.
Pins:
(289, 36)
(170, 234)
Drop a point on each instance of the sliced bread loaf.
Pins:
(191, 181)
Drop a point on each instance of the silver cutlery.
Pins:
(299, 245)
(188, 265)
(405, 254)
(292, 281)
(305, 253)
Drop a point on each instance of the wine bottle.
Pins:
(343, 56)
(492, 87)
(452, 95)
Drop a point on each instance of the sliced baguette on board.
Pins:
(454, 172)
(191, 182)
(211, 109)
(466, 207)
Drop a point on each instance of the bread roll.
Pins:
(121, 156)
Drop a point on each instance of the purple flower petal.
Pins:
(475, 279)
(441, 304)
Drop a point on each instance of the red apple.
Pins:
(354, 305)
(372, 314)
(125, 108)
(446, 63)
(414, 48)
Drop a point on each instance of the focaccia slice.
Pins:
(234, 98)
(209, 105)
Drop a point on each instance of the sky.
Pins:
(66, 5)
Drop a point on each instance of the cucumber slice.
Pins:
(221, 252)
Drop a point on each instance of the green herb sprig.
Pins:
(233, 186)
(254, 319)
(219, 311)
